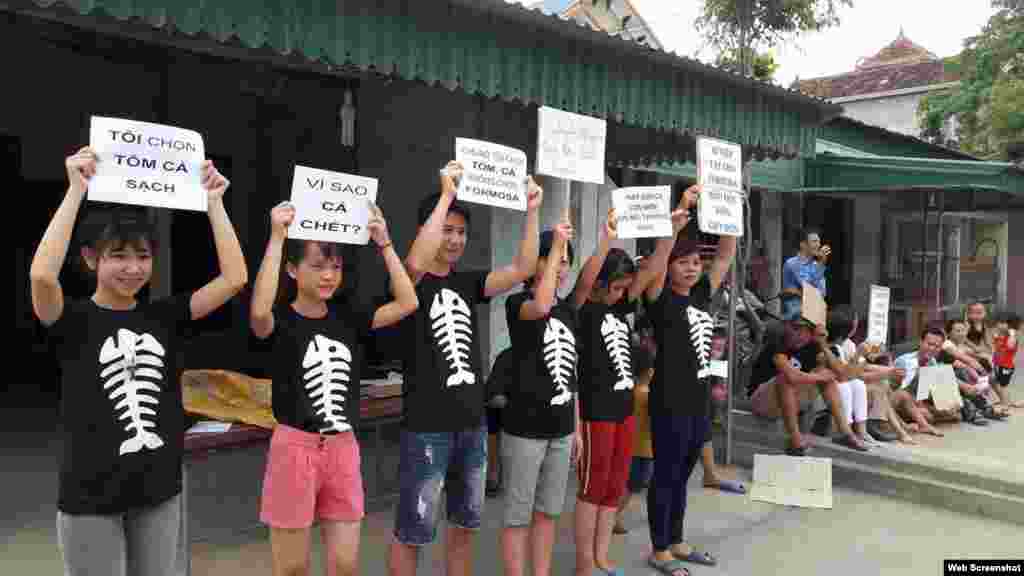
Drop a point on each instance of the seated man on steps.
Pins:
(904, 399)
(793, 367)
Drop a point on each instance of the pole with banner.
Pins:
(724, 179)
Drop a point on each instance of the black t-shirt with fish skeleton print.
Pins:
(316, 366)
(121, 406)
(683, 329)
(606, 362)
(540, 397)
(443, 385)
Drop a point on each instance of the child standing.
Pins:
(313, 468)
(119, 505)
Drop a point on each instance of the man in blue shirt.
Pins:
(807, 266)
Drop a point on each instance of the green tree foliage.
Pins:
(988, 103)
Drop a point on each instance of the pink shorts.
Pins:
(311, 478)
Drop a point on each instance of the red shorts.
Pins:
(311, 477)
(604, 464)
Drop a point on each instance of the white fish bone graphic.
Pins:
(453, 332)
(132, 368)
(702, 326)
(560, 357)
(328, 365)
(616, 340)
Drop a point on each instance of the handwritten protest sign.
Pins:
(804, 482)
(493, 174)
(570, 146)
(941, 383)
(331, 206)
(720, 175)
(878, 315)
(813, 308)
(643, 212)
(146, 164)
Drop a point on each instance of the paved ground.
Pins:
(863, 534)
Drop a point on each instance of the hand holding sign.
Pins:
(213, 182)
(611, 225)
(681, 215)
(81, 168)
(534, 195)
(378, 226)
(451, 175)
(281, 218)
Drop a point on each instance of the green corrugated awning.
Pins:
(778, 175)
(883, 173)
(654, 100)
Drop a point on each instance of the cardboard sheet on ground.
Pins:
(720, 175)
(813, 306)
(493, 174)
(331, 206)
(788, 481)
(145, 164)
(570, 146)
(643, 211)
(878, 315)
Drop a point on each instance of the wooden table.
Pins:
(223, 474)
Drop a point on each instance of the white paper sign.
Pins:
(493, 174)
(146, 164)
(643, 211)
(936, 381)
(789, 481)
(878, 315)
(720, 175)
(570, 146)
(331, 206)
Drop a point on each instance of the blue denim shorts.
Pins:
(432, 462)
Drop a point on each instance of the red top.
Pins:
(1005, 349)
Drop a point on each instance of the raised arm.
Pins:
(431, 234)
(592, 267)
(544, 293)
(723, 261)
(234, 273)
(261, 313)
(47, 294)
(650, 280)
(405, 302)
(525, 264)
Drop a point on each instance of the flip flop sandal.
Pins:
(798, 452)
(698, 557)
(728, 486)
(846, 441)
(668, 567)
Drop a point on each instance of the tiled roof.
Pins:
(900, 65)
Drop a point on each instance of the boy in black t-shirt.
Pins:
(444, 435)
(120, 481)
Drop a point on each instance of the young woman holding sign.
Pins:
(678, 299)
(313, 468)
(119, 506)
(605, 295)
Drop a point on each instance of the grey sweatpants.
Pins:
(139, 543)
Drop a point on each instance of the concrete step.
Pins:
(959, 482)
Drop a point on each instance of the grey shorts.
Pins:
(535, 474)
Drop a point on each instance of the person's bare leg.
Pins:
(897, 424)
(341, 547)
(403, 559)
(542, 542)
(786, 396)
(830, 392)
(603, 538)
(513, 549)
(459, 551)
(904, 403)
(707, 461)
(620, 514)
(290, 551)
(585, 524)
